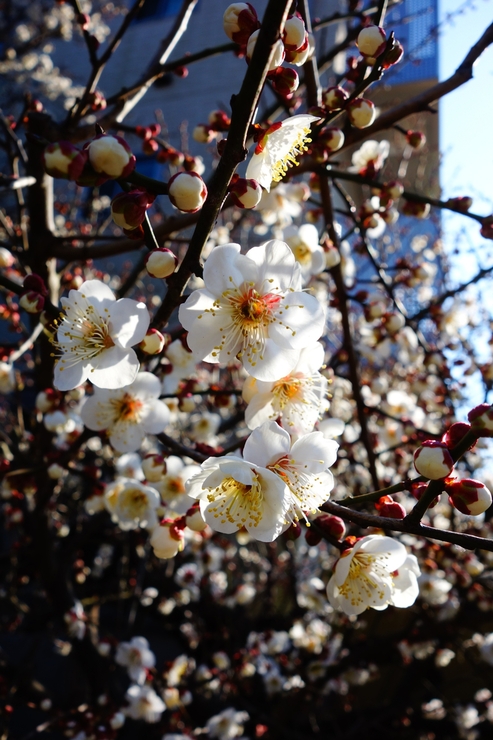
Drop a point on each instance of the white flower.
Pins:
(370, 157)
(132, 504)
(234, 493)
(172, 485)
(302, 465)
(129, 413)
(434, 588)
(227, 724)
(144, 704)
(136, 657)
(252, 309)
(303, 241)
(298, 399)
(277, 149)
(376, 572)
(95, 336)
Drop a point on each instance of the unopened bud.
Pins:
(299, 56)
(394, 55)
(161, 263)
(386, 506)
(128, 210)
(55, 471)
(462, 203)
(456, 433)
(32, 302)
(481, 419)
(413, 208)
(277, 57)
(239, 22)
(332, 138)
(154, 467)
(294, 35)
(187, 191)
(433, 460)
(194, 519)
(361, 112)
(285, 81)
(7, 259)
(36, 283)
(416, 139)
(63, 159)
(153, 342)
(334, 98)
(167, 540)
(332, 525)
(203, 134)
(245, 193)
(371, 41)
(111, 156)
(468, 496)
(219, 120)
(312, 537)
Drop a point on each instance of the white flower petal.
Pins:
(114, 368)
(128, 321)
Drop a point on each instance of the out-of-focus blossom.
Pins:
(227, 724)
(136, 657)
(144, 703)
(132, 504)
(304, 243)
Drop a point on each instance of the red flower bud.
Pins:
(416, 139)
(386, 506)
(455, 433)
(481, 418)
(129, 209)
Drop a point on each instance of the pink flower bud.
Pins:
(462, 203)
(219, 120)
(167, 540)
(294, 36)
(455, 433)
(332, 525)
(334, 98)
(433, 460)
(371, 41)
(486, 230)
(36, 283)
(111, 156)
(394, 188)
(293, 532)
(187, 191)
(154, 467)
(245, 193)
(161, 263)
(413, 208)
(332, 138)
(394, 55)
(312, 537)
(416, 139)
(386, 506)
(361, 112)
(63, 159)
(194, 519)
(299, 56)
(153, 342)
(481, 419)
(285, 81)
(128, 210)
(277, 57)
(468, 496)
(203, 134)
(32, 302)
(239, 22)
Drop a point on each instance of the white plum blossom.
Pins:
(374, 573)
(132, 504)
(252, 308)
(278, 148)
(298, 399)
(144, 704)
(7, 377)
(302, 465)
(234, 493)
(136, 657)
(227, 724)
(128, 413)
(172, 485)
(94, 338)
(370, 157)
(304, 243)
